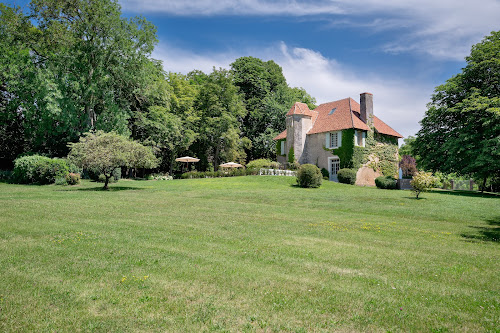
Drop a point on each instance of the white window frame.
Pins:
(328, 143)
(283, 147)
(363, 139)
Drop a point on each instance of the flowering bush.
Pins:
(73, 178)
(422, 181)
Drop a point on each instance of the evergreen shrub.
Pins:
(347, 176)
(309, 175)
(325, 173)
(386, 182)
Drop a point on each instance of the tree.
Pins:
(81, 67)
(461, 128)
(267, 98)
(422, 181)
(107, 152)
(408, 147)
(408, 166)
(220, 108)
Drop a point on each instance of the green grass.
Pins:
(246, 254)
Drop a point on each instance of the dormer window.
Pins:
(333, 139)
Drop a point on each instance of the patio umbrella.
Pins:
(231, 165)
(187, 159)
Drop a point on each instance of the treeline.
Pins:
(69, 67)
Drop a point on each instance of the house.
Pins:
(340, 134)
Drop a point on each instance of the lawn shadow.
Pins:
(101, 189)
(467, 193)
(490, 233)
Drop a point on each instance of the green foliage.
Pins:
(309, 175)
(325, 173)
(217, 174)
(386, 182)
(346, 151)
(262, 163)
(5, 174)
(347, 176)
(408, 147)
(38, 169)
(107, 152)
(422, 181)
(74, 66)
(267, 98)
(461, 127)
(220, 107)
(278, 148)
(291, 156)
(73, 178)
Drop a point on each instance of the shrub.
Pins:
(408, 166)
(347, 176)
(386, 182)
(422, 181)
(325, 173)
(61, 181)
(39, 169)
(262, 163)
(5, 174)
(73, 178)
(294, 165)
(309, 175)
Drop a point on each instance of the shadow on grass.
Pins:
(467, 193)
(101, 189)
(490, 233)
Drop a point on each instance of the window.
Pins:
(283, 151)
(333, 139)
(359, 138)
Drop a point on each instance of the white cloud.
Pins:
(400, 103)
(443, 28)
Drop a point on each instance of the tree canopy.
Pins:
(69, 67)
(106, 152)
(461, 129)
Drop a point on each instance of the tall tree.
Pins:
(266, 96)
(87, 69)
(220, 107)
(461, 129)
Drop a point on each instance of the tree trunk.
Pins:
(484, 184)
(106, 182)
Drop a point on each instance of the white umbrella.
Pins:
(231, 165)
(187, 159)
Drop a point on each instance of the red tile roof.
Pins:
(341, 118)
(280, 136)
(300, 108)
(346, 115)
(383, 128)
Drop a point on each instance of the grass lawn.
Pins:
(246, 254)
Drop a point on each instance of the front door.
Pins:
(333, 167)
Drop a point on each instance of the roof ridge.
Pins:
(350, 112)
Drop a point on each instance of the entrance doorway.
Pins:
(333, 167)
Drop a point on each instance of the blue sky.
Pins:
(397, 50)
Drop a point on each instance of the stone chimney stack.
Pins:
(366, 108)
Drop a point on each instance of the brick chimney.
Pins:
(366, 108)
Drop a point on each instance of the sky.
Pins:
(398, 50)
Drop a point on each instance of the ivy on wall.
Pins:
(378, 145)
(278, 147)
